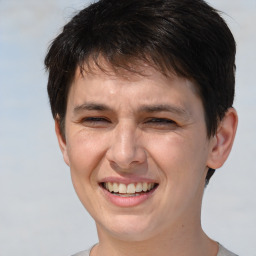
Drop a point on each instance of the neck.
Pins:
(184, 239)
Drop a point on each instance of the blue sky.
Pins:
(40, 213)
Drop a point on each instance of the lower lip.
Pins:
(129, 201)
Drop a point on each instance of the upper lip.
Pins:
(127, 181)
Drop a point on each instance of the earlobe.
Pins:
(61, 141)
(223, 139)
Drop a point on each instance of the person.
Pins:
(142, 92)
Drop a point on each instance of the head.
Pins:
(187, 38)
(176, 60)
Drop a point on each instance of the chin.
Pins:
(129, 228)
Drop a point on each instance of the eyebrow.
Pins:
(144, 108)
(91, 106)
(165, 108)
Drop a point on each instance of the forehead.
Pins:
(102, 76)
(147, 88)
(130, 71)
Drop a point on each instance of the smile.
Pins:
(129, 190)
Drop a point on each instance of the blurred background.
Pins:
(39, 211)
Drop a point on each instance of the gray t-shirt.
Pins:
(222, 252)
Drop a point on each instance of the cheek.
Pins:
(181, 165)
(181, 159)
(85, 152)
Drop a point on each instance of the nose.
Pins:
(124, 151)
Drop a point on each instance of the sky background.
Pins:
(39, 211)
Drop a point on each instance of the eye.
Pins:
(160, 123)
(95, 121)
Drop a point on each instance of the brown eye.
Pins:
(160, 121)
(95, 121)
(160, 124)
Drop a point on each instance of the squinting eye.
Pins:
(160, 121)
(95, 121)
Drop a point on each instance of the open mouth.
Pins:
(129, 190)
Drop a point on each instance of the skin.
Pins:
(150, 127)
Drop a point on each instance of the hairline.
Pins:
(92, 66)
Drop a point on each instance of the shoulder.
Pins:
(224, 252)
(83, 253)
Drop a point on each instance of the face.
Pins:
(138, 150)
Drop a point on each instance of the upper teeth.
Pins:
(130, 188)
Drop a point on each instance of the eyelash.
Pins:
(159, 122)
(95, 119)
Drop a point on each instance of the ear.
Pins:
(62, 141)
(223, 140)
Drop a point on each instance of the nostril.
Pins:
(126, 159)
